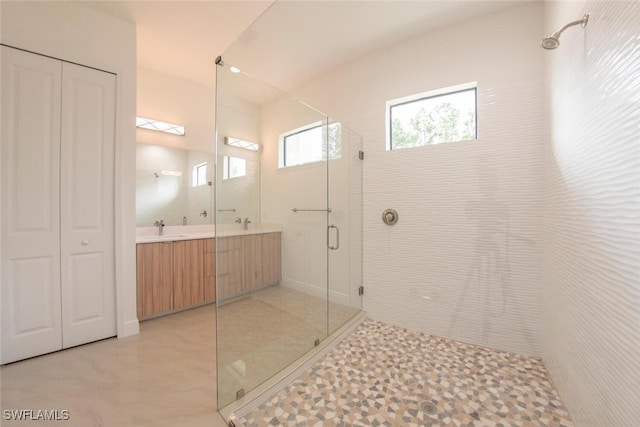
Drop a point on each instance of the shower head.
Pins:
(553, 41)
(550, 42)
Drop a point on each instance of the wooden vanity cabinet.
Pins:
(229, 277)
(170, 276)
(209, 270)
(248, 263)
(188, 273)
(252, 262)
(180, 274)
(271, 259)
(154, 278)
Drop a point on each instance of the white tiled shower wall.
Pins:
(591, 295)
(464, 260)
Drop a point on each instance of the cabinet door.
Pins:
(271, 259)
(229, 274)
(209, 270)
(154, 278)
(87, 205)
(252, 262)
(30, 206)
(188, 273)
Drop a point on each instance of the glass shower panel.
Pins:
(345, 224)
(271, 222)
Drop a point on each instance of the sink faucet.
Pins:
(160, 224)
(246, 223)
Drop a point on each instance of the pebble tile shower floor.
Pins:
(382, 375)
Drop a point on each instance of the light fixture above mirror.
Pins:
(240, 143)
(159, 126)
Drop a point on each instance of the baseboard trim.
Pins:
(131, 327)
(308, 288)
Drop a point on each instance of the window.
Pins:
(199, 175)
(312, 143)
(233, 167)
(436, 117)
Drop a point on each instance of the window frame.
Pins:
(282, 155)
(226, 167)
(436, 93)
(195, 176)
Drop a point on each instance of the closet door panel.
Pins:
(87, 205)
(29, 212)
(87, 305)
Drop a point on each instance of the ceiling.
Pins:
(183, 38)
(292, 42)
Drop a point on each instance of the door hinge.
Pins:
(231, 423)
(361, 155)
(316, 342)
(361, 290)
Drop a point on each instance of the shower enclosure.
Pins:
(288, 230)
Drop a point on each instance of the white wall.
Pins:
(591, 293)
(464, 261)
(171, 99)
(72, 32)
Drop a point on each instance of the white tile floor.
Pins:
(165, 376)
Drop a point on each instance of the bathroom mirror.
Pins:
(239, 166)
(177, 186)
(239, 194)
(173, 185)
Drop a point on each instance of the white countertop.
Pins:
(150, 234)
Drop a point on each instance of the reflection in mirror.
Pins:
(238, 172)
(238, 189)
(233, 167)
(173, 185)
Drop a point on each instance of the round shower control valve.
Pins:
(390, 216)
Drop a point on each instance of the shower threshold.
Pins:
(278, 382)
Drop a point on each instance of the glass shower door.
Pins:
(344, 232)
(271, 232)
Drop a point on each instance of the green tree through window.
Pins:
(434, 120)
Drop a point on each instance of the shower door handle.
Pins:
(337, 246)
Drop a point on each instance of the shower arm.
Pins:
(583, 21)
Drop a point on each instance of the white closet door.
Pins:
(87, 205)
(30, 211)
